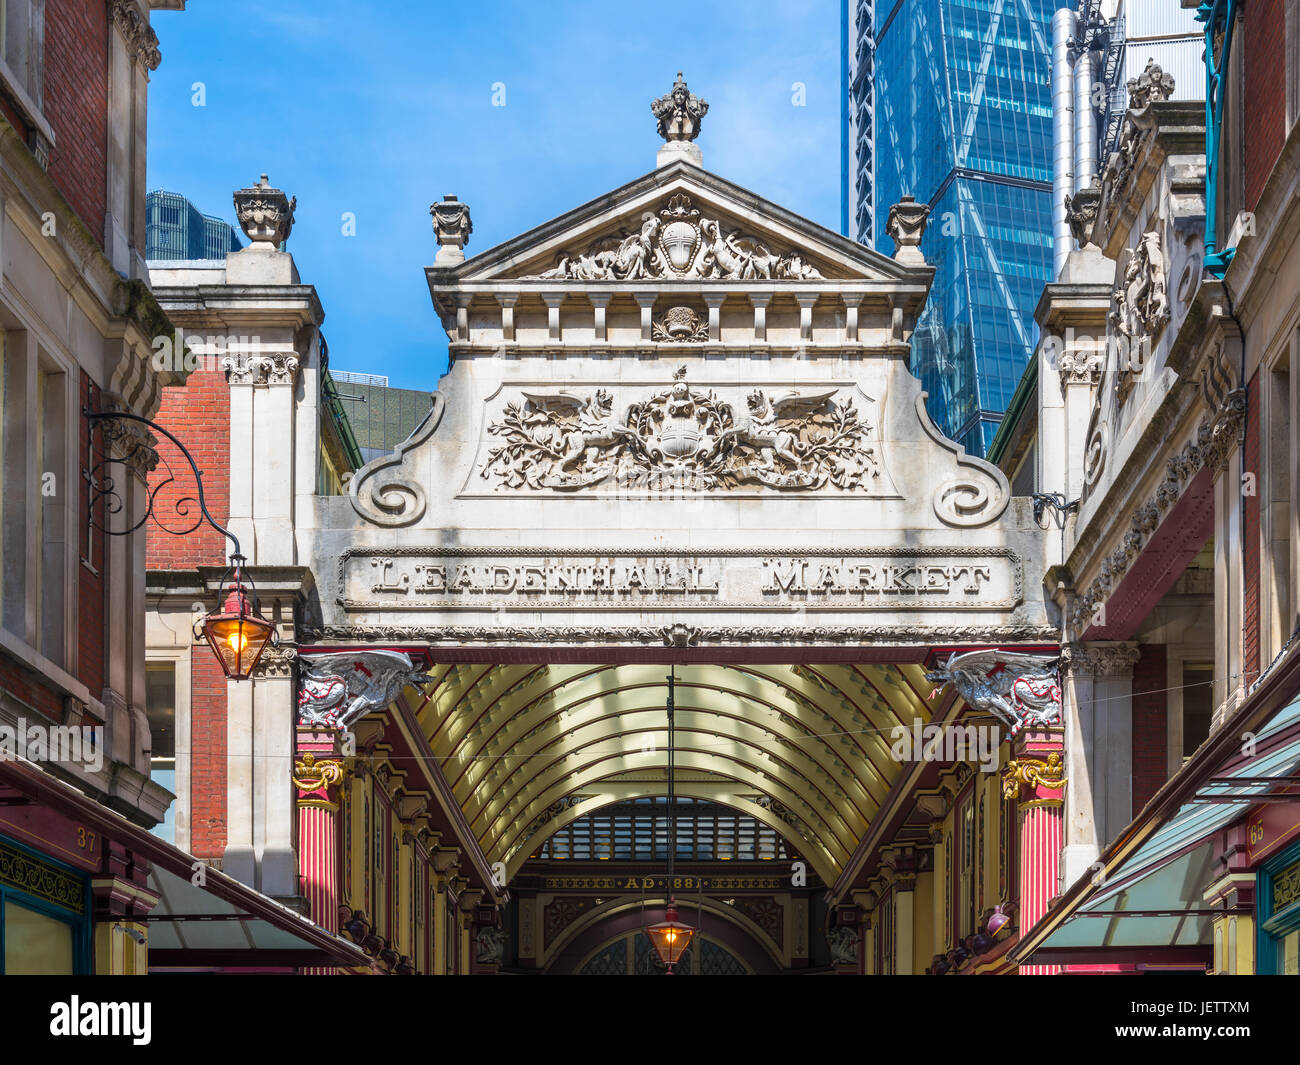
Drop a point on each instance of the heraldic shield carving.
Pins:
(683, 438)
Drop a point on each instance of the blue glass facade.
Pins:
(963, 121)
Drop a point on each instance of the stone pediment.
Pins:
(679, 413)
(677, 224)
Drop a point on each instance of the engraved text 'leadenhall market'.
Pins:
(971, 579)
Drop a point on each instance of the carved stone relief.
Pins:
(1139, 308)
(678, 244)
(683, 438)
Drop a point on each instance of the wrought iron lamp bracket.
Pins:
(1058, 504)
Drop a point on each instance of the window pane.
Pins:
(160, 709)
(36, 945)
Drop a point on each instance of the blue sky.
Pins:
(381, 108)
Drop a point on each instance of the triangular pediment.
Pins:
(679, 223)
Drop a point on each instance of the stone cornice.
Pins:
(1162, 130)
(232, 306)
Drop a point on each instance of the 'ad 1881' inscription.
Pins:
(937, 578)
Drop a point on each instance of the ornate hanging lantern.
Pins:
(236, 630)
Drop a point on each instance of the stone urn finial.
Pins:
(680, 113)
(265, 214)
(906, 225)
(452, 227)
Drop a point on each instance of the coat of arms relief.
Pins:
(679, 244)
(683, 438)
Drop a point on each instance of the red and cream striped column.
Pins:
(1034, 779)
(318, 772)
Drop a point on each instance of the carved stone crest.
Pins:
(682, 438)
(679, 244)
(680, 324)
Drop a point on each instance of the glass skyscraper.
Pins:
(176, 229)
(950, 101)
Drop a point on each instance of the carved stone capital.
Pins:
(241, 368)
(280, 367)
(276, 662)
(1099, 659)
(446, 860)
(452, 227)
(141, 41)
(265, 213)
(135, 447)
(1081, 367)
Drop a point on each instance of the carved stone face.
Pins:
(756, 401)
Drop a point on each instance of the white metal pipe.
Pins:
(1063, 23)
(1085, 120)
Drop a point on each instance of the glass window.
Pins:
(35, 943)
(1198, 704)
(160, 709)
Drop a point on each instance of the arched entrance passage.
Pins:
(610, 935)
(804, 748)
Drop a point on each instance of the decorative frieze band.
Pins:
(682, 635)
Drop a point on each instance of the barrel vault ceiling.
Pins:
(528, 748)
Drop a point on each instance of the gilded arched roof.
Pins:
(528, 748)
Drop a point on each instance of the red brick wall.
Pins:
(25, 687)
(76, 105)
(90, 585)
(1150, 740)
(199, 415)
(207, 755)
(1250, 535)
(1263, 30)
